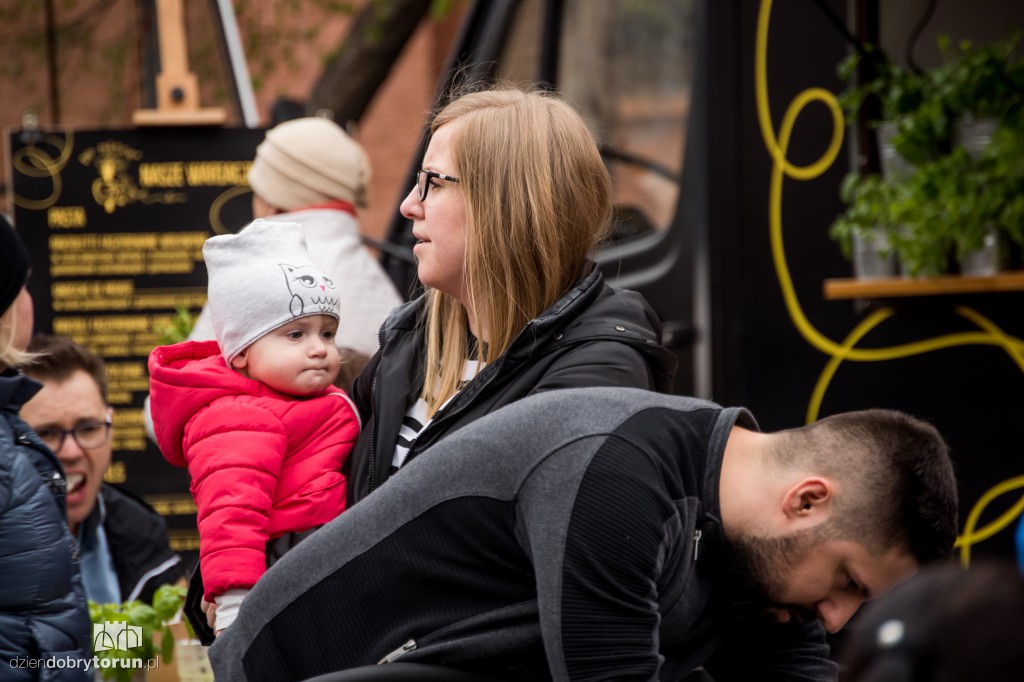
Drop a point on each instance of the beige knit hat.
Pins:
(309, 161)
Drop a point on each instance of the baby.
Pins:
(254, 415)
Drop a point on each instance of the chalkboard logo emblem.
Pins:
(116, 187)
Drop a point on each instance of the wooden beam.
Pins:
(900, 287)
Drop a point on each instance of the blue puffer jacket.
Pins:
(44, 623)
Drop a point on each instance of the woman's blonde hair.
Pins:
(538, 202)
(10, 355)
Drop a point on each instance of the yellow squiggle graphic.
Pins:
(33, 162)
(218, 205)
(990, 334)
(859, 332)
(972, 537)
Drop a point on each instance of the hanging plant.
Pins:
(952, 199)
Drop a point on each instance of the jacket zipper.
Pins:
(57, 484)
(697, 536)
(373, 426)
(398, 653)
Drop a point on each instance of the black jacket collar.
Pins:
(16, 389)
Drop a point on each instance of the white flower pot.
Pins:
(974, 134)
(872, 256)
(193, 661)
(890, 162)
(983, 262)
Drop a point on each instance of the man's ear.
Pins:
(810, 500)
(240, 360)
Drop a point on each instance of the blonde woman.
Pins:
(44, 623)
(511, 202)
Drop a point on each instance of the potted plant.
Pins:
(974, 200)
(886, 96)
(958, 198)
(123, 634)
(984, 85)
(864, 232)
(177, 328)
(895, 90)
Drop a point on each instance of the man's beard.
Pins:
(756, 573)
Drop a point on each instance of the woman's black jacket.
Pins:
(595, 335)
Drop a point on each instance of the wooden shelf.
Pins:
(900, 287)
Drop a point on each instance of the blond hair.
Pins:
(11, 355)
(538, 202)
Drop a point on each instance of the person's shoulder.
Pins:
(120, 501)
(19, 463)
(620, 295)
(137, 536)
(183, 353)
(624, 305)
(596, 407)
(131, 521)
(594, 304)
(333, 401)
(619, 327)
(620, 397)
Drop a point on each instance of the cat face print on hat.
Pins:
(260, 279)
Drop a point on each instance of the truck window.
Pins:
(627, 65)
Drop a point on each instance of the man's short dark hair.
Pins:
(60, 357)
(901, 491)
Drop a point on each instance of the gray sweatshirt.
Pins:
(573, 535)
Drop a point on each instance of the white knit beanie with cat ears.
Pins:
(260, 279)
(309, 161)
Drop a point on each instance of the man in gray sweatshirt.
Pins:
(610, 534)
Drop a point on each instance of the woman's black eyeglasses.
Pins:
(89, 436)
(423, 181)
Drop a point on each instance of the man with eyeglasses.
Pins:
(122, 542)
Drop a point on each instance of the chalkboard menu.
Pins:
(115, 222)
